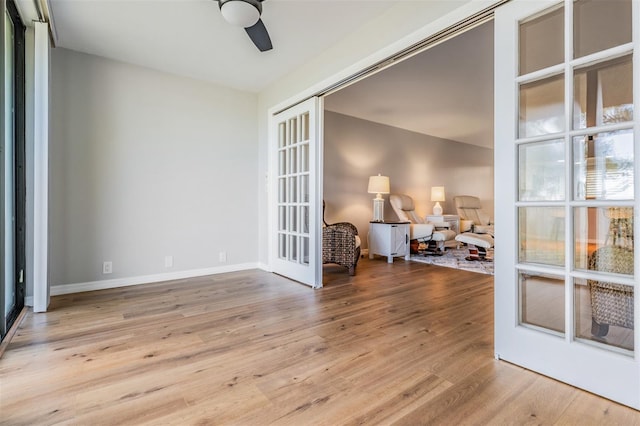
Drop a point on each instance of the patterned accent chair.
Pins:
(611, 304)
(340, 244)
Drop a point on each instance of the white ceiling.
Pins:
(446, 91)
(190, 37)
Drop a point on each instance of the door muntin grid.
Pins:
(293, 201)
(588, 108)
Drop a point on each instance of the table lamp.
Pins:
(437, 195)
(378, 185)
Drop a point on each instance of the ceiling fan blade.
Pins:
(259, 35)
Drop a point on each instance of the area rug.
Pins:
(455, 258)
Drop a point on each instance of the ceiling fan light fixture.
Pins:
(240, 13)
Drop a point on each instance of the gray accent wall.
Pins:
(144, 165)
(355, 149)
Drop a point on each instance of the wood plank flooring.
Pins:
(405, 344)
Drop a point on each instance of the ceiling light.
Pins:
(240, 13)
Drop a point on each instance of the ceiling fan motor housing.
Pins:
(241, 13)
(246, 13)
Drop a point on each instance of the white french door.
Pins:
(567, 80)
(295, 201)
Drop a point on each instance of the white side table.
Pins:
(389, 239)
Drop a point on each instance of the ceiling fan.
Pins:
(246, 13)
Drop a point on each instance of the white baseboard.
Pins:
(57, 290)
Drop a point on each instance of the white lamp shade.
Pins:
(240, 13)
(378, 185)
(437, 193)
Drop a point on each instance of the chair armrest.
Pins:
(465, 225)
(420, 230)
(439, 226)
(484, 229)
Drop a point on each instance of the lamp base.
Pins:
(378, 210)
(437, 209)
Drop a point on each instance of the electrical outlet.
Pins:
(168, 261)
(107, 267)
(223, 257)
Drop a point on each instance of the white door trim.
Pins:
(41, 168)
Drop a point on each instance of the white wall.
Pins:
(356, 149)
(143, 165)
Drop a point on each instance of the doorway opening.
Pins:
(425, 122)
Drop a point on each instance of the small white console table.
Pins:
(389, 239)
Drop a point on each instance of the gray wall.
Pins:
(143, 165)
(355, 149)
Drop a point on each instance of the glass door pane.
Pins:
(600, 24)
(542, 301)
(542, 171)
(542, 107)
(603, 93)
(604, 312)
(604, 166)
(541, 236)
(541, 41)
(599, 227)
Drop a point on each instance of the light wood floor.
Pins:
(406, 343)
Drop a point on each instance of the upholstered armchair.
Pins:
(611, 304)
(340, 244)
(476, 226)
(472, 217)
(420, 229)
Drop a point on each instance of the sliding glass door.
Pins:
(12, 171)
